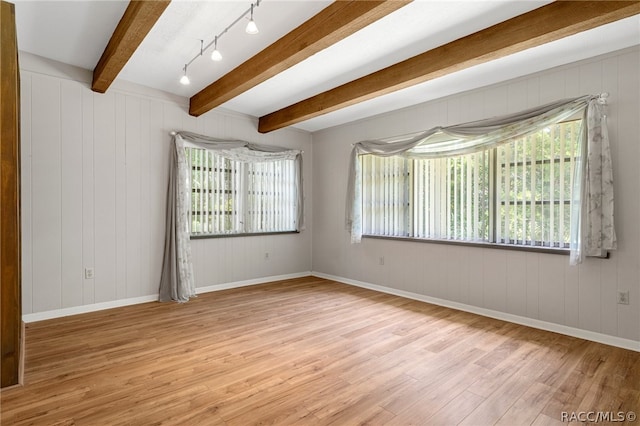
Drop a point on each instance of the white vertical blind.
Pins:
(453, 197)
(450, 207)
(535, 177)
(386, 194)
(230, 197)
(426, 198)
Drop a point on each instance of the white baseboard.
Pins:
(530, 322)
(255, 281)
(64, 312)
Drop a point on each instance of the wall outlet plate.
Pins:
(88, 273)
(623, 297)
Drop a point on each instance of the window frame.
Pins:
(243, 191)
(493, 209)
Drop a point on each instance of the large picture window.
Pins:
(537, 177)
(518, 193)
(235, 197)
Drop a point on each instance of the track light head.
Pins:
(216, 55)
(252, 28)
(185, 79)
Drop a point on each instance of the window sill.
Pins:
(537, 249)
(253, 234)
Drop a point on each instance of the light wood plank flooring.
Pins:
(310, 351)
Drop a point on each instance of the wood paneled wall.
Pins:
(95, 172)
(530, 285)
(10, 264)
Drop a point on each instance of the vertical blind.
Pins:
(386, 195)
(535, 177)
(451, 197)
(229, 196)
(271, 203)
(518, 193)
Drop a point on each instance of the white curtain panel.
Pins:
(592, 207)
(592, 230)
(177, 282)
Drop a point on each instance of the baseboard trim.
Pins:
(94, 307)
(530, 322)
(255, 281)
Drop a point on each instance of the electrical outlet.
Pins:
(88, 273)
(381, 260)
(623, 297)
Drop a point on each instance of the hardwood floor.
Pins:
(310, 351)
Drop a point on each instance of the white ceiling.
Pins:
(76, 32)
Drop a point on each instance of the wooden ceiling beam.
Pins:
(337, 21)
(136, 22)
(543, 25)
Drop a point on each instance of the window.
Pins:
(234, 197)
(518, 193)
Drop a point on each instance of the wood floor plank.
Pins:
(527, 408)
(456, 410)
(309, 351)
(544, 420)
(433, 398)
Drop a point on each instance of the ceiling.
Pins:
(76, 33)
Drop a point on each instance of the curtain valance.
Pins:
(592, 207)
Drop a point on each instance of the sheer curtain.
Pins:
(176, 281)
(592, 206)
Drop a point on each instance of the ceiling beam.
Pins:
(543, 25)
(135, 24)
(335, 22)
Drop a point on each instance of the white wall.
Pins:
(94, 178)
(530, 285)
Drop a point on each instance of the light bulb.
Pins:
(252, 28)
(184, 80)
(216, 55)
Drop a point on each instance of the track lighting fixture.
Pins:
(216, 55)
(251, 28)
(185, 79)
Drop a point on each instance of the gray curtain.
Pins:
(592, 209)
(177, 282)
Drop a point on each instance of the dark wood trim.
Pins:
(248, 234)
(137, 21)
(480, 244)
(334, 23)
(543, 25)
(10, 248)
